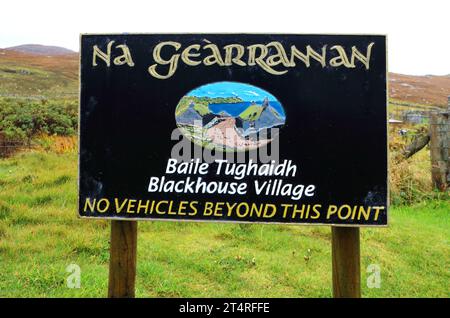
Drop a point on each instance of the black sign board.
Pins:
(266, 128)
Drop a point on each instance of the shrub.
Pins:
(22, 119)
(409, 179)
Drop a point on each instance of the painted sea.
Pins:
(234, 109)
(230, 116)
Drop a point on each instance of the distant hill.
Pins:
(37, 70)
(428, 90)
(37, 76)
(40, 49)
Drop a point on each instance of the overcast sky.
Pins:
(418, 31)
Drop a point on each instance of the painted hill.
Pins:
(190, 116)
(38, 49)
(252, 113)
(256, 117)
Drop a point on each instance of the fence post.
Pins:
(447, 142)
(439, 149)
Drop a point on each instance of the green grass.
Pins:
(251, 113)
(40, 236)
(200, 106)
(202, 109)
(35, 82)
(37, 76)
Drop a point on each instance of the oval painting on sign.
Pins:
(230, 116)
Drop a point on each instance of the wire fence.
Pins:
(412, 114)
(9, 147)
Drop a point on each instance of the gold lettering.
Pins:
(208, 210)
(119, 206)
(158, 205)
(279, 57)
(341, 59)
(359, 56)
(215, 57)
(186, 55)
(89, 204)
(229, 59)
(106, 57)
(106, 206)
(286, 209)
(316, 210)
(142, 206)
(125, 58)
(377, 211)
(193, 206)
(270, 57)
(131, 205)
(332, 209)
(253, 59)
(270, 214)
(310, 53)
(172, 62)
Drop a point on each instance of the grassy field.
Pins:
(38, 76)
(40, 236)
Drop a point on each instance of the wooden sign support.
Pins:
(346, 262)
(346, 270)
(122, 262)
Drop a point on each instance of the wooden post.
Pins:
(122, 261)
(447, 142)
(439, 149)
(346, 262)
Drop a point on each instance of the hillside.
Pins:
(423, 90)
(37, 75)
(40, 49)
(251, 113)
(43, 71)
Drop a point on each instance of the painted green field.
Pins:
(40, 236)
